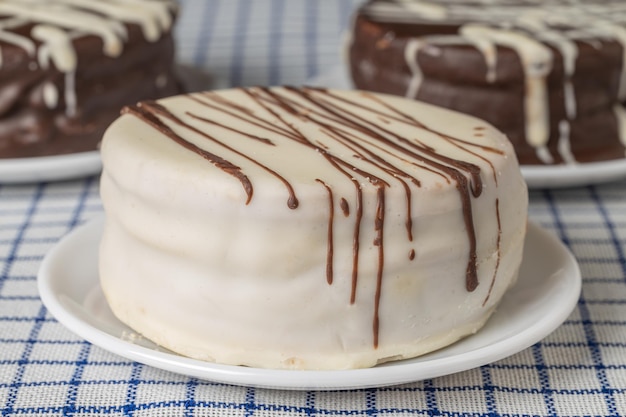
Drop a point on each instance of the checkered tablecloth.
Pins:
(580, 369)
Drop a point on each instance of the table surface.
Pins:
(579, 369)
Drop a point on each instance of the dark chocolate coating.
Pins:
(455, 78)
(28, 128)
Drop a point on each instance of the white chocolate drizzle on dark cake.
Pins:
(530, 28)
(69, 66)
(377, 156)
(56, 23)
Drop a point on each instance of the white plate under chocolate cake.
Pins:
(307, 228)
(67, 67)
(549, 73)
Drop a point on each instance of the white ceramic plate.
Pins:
(560, 176)
(536, 176)
(546, 292)
(49, 168)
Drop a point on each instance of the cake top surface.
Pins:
(46, 29)
(312, 135)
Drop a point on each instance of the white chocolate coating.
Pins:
(230, 230)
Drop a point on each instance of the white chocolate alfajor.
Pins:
(306, 228)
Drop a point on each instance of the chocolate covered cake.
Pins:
(549, 73)
(306, 228)
(67, 67)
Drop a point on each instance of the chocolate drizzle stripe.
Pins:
(378, 182)
(454, 168)
(249, 118)
(389, 169)
(493, 169)
(356, 239)
(422, 153)
(380, 221)
(265, 98)
(343, 136)
(292, 201)
(285, 106)
(345, 207)
(457, 165)
(145, 114)
(401, 117)
(499, 254)
(331, 217)
(342, 166)
(462, 184)
(223, 126)
(404, 118)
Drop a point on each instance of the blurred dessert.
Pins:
(550, 74)
(67, 67)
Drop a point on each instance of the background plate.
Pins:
(560, 176)
(49, 168)
(546, 292)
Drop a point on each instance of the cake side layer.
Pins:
(68, 67)
(307, 223)
(545, 74)
(298, 323)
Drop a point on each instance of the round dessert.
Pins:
(549, 74)
(69, 66)
(306, 228)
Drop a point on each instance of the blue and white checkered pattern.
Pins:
(578, 370)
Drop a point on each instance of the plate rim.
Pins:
(49, 168)
(315, 380)
(576, 175)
